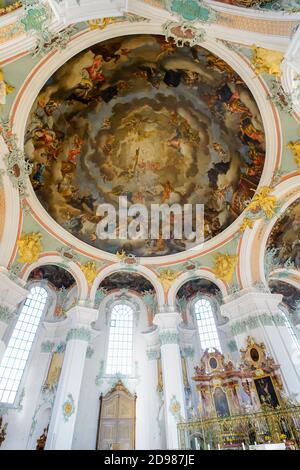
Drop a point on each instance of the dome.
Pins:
(137, 116)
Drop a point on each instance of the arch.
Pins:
(49, 64)
(119, 267)
(254, 241)
(72, 268)
(187, 276)
(11, 213)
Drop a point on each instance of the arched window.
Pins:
(119, 354)
(16, 355)
(206, 324)
(294, 337)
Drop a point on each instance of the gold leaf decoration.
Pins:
(30, 247)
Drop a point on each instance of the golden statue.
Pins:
(41, 441)
(166, 277)
(90, 272)
(224, 266)
(266, 60)
(3, 428)
(294, 147)
(264, 201)
(30, 247)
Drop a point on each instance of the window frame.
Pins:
(216, 315)
(9, 333)
(109, 309)
(289, 325)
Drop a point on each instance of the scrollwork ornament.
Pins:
(183, 34)
(17, 167)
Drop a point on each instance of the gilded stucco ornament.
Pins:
(5, 89)
(263, 203)
(102, 23)
(167, 277)
(263, 206)
(90, 272)
(294, 147)
(30, 247)
(266, 60)
(224, 266)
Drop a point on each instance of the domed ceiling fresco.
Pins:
(284, 239)
(139, 117)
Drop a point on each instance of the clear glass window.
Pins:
(18, 349)
(206, 324)
(120, 343)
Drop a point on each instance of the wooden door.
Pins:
(116, 427)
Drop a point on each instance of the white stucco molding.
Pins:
(250, 302)
(47, 66)
(11, 293)
(254, 241)
(291, 70)
(12, 211)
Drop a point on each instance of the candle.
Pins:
(243, 446)
(219, 447)
(208, 447)
(255, 443)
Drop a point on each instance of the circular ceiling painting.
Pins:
(139, 117)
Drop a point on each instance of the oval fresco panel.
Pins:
(139, 117)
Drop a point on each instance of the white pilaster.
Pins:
(61, 429)
(11, 295)
(257, 314)
(174, 397)
(153, 353)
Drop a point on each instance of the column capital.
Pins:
(167, 320)
(11, 292)
(168, 327)
(250, 302)
(80, 316)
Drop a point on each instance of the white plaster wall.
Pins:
(143, 384)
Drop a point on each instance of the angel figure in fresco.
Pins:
(95, 71)
(247, 129)
(75, 150)
(168, 189)
(37, 176)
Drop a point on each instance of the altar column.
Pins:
(174, 397)
(61, 428)
(257, 314)
(11, 295)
